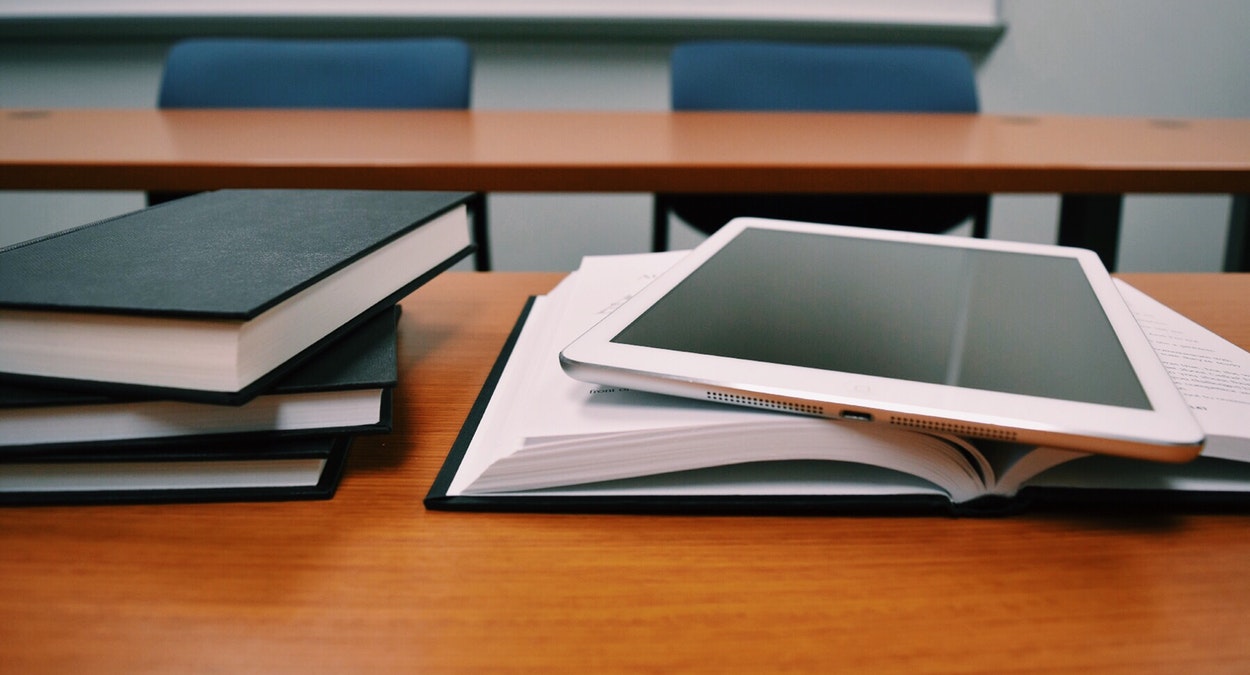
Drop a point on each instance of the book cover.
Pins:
(213, 296)
(571, 447)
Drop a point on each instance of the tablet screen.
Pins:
(981, 319)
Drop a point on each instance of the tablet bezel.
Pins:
(1165, 432)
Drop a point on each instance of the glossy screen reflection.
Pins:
(991, 320)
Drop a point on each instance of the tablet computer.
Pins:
(1007, 341)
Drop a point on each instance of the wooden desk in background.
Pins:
(1092, 161)
(371, 582)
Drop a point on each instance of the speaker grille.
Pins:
(954, 428)
(769, 404)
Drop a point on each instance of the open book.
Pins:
(538, 440)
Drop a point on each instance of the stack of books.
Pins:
(224, 346)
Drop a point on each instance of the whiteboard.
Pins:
(971, 13)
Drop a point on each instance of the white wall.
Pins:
(1114, 57)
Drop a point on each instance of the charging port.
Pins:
(856, 416)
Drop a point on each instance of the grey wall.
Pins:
(1086, 57)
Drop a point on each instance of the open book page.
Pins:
(533, 396)
(1212, 374)
(547, 430)
(1015, 464)
(498, 432)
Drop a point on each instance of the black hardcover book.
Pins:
(212, 297)
(345, 388)
(225, 469)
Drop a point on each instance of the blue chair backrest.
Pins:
(732, 75)
(264, 73)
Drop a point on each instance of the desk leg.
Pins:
(659, 223)
(481, 232)
(1237, 246)
(1093, 222)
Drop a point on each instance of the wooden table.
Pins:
(1092, 161)
(371, 582)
